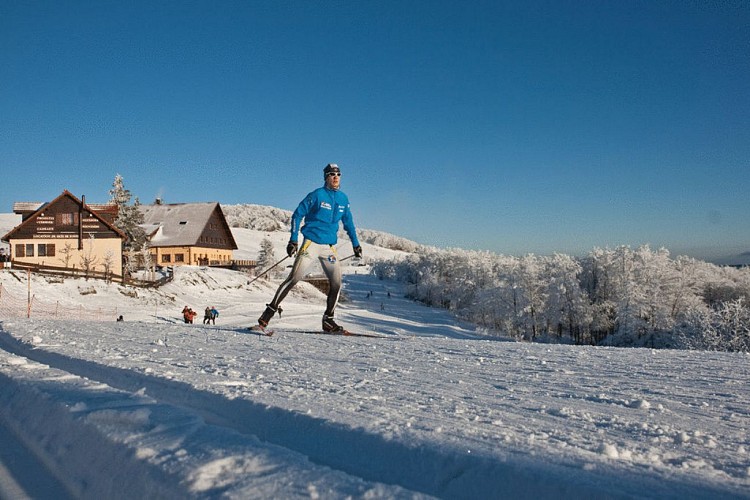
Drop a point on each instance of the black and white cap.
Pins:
(331, 167)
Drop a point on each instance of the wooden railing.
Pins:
(92, 274)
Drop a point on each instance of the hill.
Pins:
(270, 219)
(152, 407)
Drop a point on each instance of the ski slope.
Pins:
(155, 408)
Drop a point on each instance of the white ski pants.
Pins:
(310, 252)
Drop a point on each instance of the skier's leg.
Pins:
(332, 269)
(299, 268)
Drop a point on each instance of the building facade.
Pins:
(66, 233)
(188, 234)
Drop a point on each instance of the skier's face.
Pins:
(333, 180)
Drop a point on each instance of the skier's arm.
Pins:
(348, 221)
(299, 214)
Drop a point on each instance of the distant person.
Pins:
(120, 318)
(322, 210)
(214, 314)
(207, 316)
(188, 314)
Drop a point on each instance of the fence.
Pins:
(31, 307)
(90, 274)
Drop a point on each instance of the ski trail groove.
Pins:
(125, 399)
(431, 470)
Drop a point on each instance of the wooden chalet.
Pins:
(188, 234)
(66, 233)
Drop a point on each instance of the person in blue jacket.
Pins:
(322, 211)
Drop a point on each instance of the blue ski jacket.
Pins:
(322, 211)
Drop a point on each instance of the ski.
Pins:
(342, 333)
(258, 331)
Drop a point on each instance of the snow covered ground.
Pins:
(155, 408)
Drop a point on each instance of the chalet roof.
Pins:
(29, 214)
(32, 206)
(23, 207)
(103, 207)
(180, 224)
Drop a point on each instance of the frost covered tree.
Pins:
(533, 283)
(722, 328)
(623, 296)
(569, 308)
(129, 217)
(266, 256)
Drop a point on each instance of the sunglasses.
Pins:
(333, 174)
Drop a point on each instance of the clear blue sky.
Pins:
(516, 127)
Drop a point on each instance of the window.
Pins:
(20, 250)
(179, 257)
(68, 219)
(166, 258)
(45, 250)
(29, 249)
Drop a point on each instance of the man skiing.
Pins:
(322, 210)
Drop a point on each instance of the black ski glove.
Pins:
(291, 248)
(358, 252)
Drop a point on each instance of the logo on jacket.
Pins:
(325, 204)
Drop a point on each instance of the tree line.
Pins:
(620, 296)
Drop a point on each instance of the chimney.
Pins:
(80, 222)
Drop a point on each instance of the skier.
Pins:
(322, 210)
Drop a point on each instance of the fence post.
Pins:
(28, 293)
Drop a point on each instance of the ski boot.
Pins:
(330, 326)
(264, 319)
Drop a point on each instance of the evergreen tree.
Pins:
(129, 217)
(266, 257)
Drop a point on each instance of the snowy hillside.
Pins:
(7, 223)
(248, 241)
(155, 408)
(270, 219)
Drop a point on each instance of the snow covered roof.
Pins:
(21, 207)
(183, 224)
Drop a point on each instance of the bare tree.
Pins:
(67, 254)
(88, 259)
(107, 263)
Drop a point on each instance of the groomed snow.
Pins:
(155, 408)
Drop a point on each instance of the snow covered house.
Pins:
(188, 234)
(66, 233)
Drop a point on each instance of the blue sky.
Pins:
(515, 127)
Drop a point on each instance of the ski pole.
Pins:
(266, 271)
